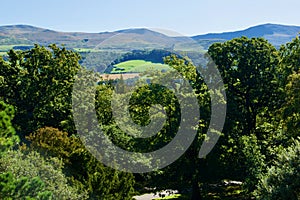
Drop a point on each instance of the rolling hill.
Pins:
(275, 33)
(99, 50)
(130, 38)
(136, 38)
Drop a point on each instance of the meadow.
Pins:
(138, 66)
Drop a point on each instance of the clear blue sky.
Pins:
(186, 17)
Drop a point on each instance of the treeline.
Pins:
(42, 156)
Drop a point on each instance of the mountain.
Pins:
(275, 33)
(99, 50)
(30, 34)
(24, 36)
(137, 38)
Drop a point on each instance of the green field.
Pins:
(86, 50)
(5, 48)
(10, 46)
(138, 66)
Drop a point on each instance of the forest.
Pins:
(42, 155)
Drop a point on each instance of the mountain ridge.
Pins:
(277, 34)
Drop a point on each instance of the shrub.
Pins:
(32, 165)
(81, 167)
(22, 188)
(282, 180)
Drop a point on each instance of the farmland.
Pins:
(137, 66)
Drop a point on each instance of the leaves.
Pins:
(8, 137)
(38, 83)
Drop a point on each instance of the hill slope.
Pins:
(276, 34)
(130, 38)
(136, 38)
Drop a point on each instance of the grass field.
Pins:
(4, 48)
(138, 66)
(83, 50)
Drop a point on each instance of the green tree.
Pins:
(188, 172)
(289, 62)
(282, 181)
(249, 68)
(22, 188)
(291, 108)
(81, 167)
(290, 76)
(249, 71)
(49, 170)
(8, 137)
(38, 83)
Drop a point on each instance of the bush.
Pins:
(282, 180)
(8, 137)
(32, 165)
(254, 160)
(81, 167)
(22, 188)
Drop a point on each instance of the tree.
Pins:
(249, 68)
(290, 79)
(81, 167)
(291, 108)
(38, 83)
(8, 137)
(249, 71)
(281, 181)
(49, 170)
(22, 188)
(289, 62)
(188, 172)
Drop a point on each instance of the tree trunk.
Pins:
(196, 191)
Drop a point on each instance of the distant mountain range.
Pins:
(137, 38)
(275, 33)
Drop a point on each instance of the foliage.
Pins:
(291, 109)
(282, 180)
(249, 68)
(82, 168)
(49, 170)
(154, 56)
(98, 60)
(22, 188)
(255, 161)
(187, 172)
(289, 63)
(262, 86)
(8, 137)
(38, 83)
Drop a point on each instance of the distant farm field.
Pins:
(11, 46)
(138, 66)
(118, 76)
(5, 48)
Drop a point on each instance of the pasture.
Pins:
(137, 66)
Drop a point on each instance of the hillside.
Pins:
(276, 34)
(99, 50)
(130, 38)
(137, 38)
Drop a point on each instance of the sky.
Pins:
(190, 17)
